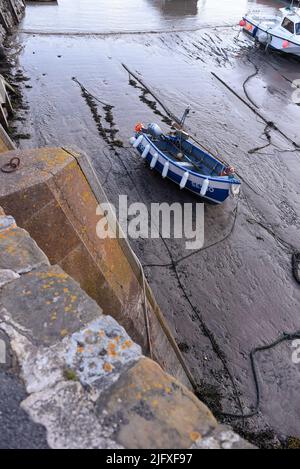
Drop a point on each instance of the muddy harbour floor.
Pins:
(238, 292)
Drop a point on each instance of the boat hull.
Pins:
(275, 41)
(218, 190)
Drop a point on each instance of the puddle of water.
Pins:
(116, 15)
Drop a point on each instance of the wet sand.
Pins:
(239, 293)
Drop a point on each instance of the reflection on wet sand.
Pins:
(177, 7)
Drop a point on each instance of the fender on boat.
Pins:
(166, 169)
(235, 189)
(138, 141)
(184, 180)
(154, 160)
(146, 151)
(132, 140)
(204, 187)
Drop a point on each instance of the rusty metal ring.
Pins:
(12, 166)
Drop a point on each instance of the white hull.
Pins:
(270, 32)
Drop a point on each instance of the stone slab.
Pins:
(7, 276)
(49, 304)
(223, 437)
(150, 409)
(19, 252)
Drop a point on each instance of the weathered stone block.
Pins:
(7, 276)
(69, 416)
(41, 197)
(6, 223)
(49, 304)
(98, 354)
(222, 437)
(19, 252)
(150, 409)
(6, 355)
(56, 201)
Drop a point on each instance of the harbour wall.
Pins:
(87, 382)
(11, 13)
(40, 195)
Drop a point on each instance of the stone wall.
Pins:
(87, 382)
(40, 195)
(11, 12)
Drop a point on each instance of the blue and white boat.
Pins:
(179, 160)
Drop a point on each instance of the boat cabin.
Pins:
(291, 24)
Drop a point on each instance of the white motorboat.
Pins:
(280, 31)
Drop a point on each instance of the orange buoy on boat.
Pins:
(139, 127)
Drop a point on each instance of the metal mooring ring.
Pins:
(12, 166)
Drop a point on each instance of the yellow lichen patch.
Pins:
(54, 317)
(46, 286)
(108, 367)
(60, 275)
(158, 385)
(66, 290)
(8, 232)
(73, 298)
(117, 339)
(53, 157)
(80, 349)
(112, 349)
(168, 389)
(194, 436)
(10, 249)
(85, 196)
(127, 344)
(63, 332)
(154, 403)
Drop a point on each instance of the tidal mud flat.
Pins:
(239, 291)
